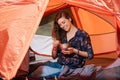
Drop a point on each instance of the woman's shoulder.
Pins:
(81, 32)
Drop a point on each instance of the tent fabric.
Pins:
(100, 32)
(19, 20)
(18, 23)
(54, 5)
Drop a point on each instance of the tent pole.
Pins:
(76, 17)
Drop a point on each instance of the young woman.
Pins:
(80, 49)
(71, 46)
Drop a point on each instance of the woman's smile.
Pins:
(64, 23)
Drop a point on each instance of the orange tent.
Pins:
(19, 20)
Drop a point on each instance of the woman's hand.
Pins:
(69, 50)
(56, 43)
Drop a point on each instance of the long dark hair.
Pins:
(57, 32)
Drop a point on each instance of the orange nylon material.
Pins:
(101, 32)
(54, 5)
(20, 23)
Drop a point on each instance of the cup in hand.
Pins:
(64, 46)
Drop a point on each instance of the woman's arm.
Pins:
(81, 53)
(87, 46)
(71, 50)
(56, 44)
(54, 52)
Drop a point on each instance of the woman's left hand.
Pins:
(68, 50)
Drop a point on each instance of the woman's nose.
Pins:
(62, 26)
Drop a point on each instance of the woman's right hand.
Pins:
(56, 43)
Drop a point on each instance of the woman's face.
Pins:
(64, 23)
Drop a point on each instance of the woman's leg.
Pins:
(49, 70)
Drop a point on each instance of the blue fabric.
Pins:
(51, 69)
